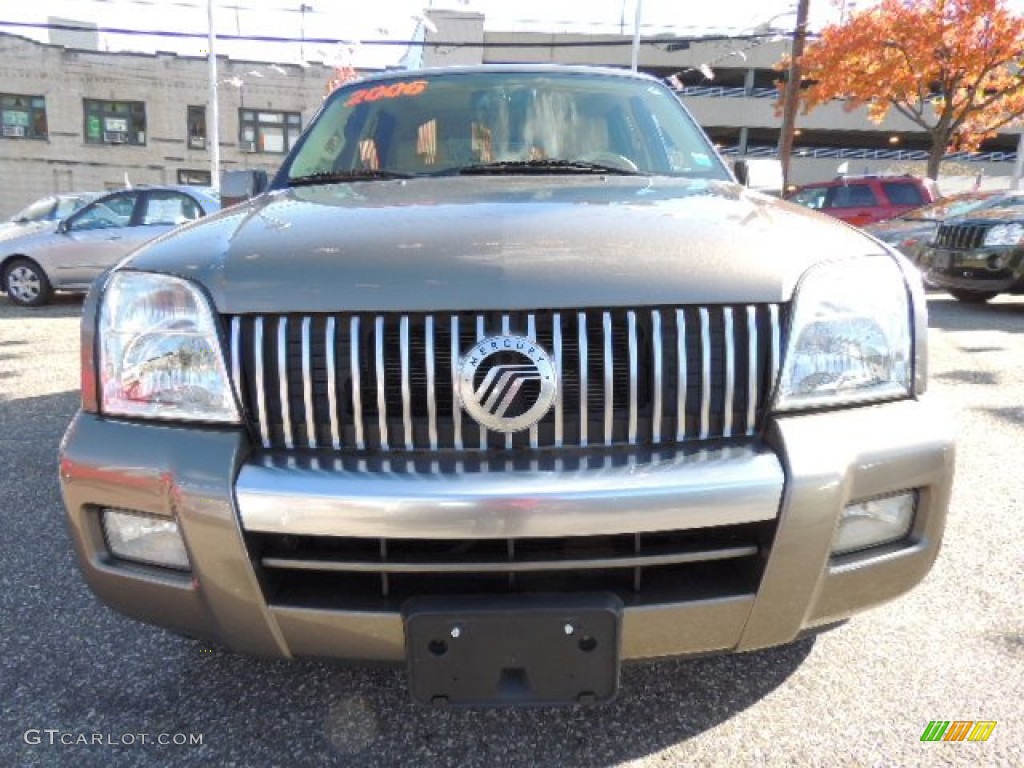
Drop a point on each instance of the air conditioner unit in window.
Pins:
(115, 137)
(247, 146)
(14, 131)
(196, 142)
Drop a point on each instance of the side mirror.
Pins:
(236, 186)
(762, 174)
(62, 227)
(741, 171)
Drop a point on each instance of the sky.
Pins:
(393, 19)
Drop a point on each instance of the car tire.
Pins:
(26, 284)
(972, 297)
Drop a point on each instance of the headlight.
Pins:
(850, 337)
(1004, 234)
(160, 356)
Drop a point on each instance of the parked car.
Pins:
(70, 255)
(861, 200)
(980, 255)
(42, 214)
(505, 378)
(910, 232)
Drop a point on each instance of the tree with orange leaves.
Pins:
(952, 67)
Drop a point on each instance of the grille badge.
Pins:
(506, 383)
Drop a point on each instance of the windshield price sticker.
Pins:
(395, 91)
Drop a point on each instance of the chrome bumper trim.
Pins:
(667, 490)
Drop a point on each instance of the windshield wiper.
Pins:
(541, 166)
(335, 177)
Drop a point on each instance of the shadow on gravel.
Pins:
(1003, 314)
(61, 305)
(71, 664)
(986, 378)
(1012, 415)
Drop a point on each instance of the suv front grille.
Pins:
(383, 382)
(961, 237)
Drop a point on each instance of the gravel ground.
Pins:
(860, 695)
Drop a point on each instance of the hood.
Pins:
(897, 230)
(992, 216)
(501, 242)
(11, 230)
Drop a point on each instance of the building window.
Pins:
(197, 127)
(197, 178)
(265, 131)
(22, 117)
(115, 122)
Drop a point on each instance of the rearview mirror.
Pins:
(236, 186)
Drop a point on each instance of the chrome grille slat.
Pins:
(354, 372)
(332, 382)
(456, 408)
(282, 380)
(259, 374)
(656, 344)
(404, 352)
(705, 373)
(609, 380)
(531, 334)
(307, 384)
(730, 374)
(636, 376)
(481, 333)
(431, 384)
(752, 392)
(633, 380)
(556, 342)
(382, 401)
(582, 347)
(682, 374)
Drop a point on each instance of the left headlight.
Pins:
(159, 352)
(851, 336)
(1004, 234)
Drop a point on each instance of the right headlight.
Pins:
(851, 336)
(1004, 234)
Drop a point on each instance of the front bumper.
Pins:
(797, 482)
(998, 269)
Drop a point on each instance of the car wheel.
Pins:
(972, 297)
(26, 283)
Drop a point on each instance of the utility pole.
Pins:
(636, 35)
(792, 92)
(213, 123)
(302, 30)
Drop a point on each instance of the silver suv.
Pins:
(507, 380)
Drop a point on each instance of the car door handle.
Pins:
(113, 237)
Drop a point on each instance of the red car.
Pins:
(861, 200)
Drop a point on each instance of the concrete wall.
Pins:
(168, 84)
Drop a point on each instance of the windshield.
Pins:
(502, 122)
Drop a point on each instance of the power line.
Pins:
(609, 43)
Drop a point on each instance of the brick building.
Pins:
(79, 120)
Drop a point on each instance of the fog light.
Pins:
(144, 538)
(870, 523)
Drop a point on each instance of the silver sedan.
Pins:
(71, 255)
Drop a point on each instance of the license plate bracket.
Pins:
(542, 650)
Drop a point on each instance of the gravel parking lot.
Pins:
(80, 685)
